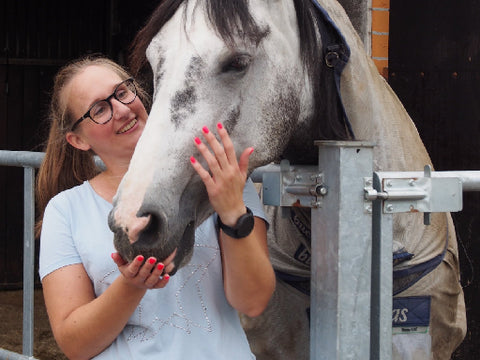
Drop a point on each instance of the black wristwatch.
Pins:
(242, 228)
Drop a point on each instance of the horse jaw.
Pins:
(258, 109)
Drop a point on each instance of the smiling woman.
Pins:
(61, 159)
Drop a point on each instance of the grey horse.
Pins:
(278, 74)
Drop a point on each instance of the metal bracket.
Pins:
(293, 186)
(425, 194)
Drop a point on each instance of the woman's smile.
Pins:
(128, 126)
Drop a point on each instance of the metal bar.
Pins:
(21, 158)
(30, 159)
(28, 259)
(9, 355)
(257, 174)
(470, 179)
(382, 279)
(341, 255)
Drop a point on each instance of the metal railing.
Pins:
(364, 200)
(29, 161)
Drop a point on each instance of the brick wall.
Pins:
(380, 32)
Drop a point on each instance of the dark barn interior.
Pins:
(434, 67)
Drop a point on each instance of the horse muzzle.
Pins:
(148, 235)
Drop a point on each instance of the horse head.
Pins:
(239, 63)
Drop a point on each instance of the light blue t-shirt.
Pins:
(188, 319)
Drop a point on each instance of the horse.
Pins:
(279, 74)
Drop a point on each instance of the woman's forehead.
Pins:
(95, 76)
(95, 80)
(92, 84)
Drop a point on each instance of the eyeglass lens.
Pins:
(102, 111)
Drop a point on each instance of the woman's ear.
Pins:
(77, 141)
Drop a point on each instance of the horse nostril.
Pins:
(137, 227)
(153, 226)
(153, 230)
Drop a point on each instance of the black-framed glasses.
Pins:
(102, 111)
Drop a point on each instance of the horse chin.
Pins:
(151, 244)
(185, 252)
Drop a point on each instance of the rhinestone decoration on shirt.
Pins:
(146, 330)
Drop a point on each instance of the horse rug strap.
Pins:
(336, 55)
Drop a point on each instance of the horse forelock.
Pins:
(229, 19)
(233, 18)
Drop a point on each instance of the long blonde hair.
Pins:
(65, 166)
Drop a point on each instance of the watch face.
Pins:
(242, 228)
(245, 225)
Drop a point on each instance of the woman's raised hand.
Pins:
(227, 176)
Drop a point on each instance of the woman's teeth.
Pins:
(127, 127)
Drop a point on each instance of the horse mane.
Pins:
(233, 17)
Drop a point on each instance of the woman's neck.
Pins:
(106, 183)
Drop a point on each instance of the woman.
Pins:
(104, 309)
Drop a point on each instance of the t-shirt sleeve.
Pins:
(57, 248)
(252, 200)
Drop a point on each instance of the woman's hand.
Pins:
(145, 275)
(226, 180)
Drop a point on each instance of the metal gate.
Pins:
(344, 193)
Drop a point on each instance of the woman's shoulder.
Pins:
(74, 194)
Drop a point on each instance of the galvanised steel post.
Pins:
(341, 254)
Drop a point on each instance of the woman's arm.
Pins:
(249, 279)
(84, 325)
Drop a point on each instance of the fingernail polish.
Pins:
(140, 258)
(151, 261)
(251, 151)
(219, 126)
(205, 130)
(160, 266)
(166, 277)
(192, 160)
(198, 141)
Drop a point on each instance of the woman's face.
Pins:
(117, 138)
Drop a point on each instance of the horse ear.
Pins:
(77, 141)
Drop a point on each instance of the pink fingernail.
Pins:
(160, 266)
(198, 141)
(140, 258)
(251, 151)
(166, 277)
(192, 160)
(205, 130)
(151, 261)
(220, 126)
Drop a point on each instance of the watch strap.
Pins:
(242, 228)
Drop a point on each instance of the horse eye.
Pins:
(238, 63)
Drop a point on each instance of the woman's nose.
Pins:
(119, 109)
